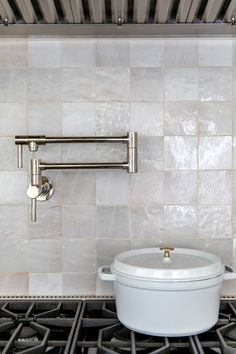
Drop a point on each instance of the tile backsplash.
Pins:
(178, 94)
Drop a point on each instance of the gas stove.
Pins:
(91, 326)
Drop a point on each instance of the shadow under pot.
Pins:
(167, 292)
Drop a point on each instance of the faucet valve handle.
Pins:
(33, 192)
(19, 156)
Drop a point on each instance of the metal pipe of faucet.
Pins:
(36, 173)
(85, 165)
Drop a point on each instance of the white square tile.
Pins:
(215, 221)
(13, 221)
(112, 84)
(112, 52)
(215, 118)
(14, 284)
(49, 284)
(13, 52)
(78, 284)
(44, 256)
(181, 118)
(221, 247)
(180, 221)
(39, 117)
(112, 222)
(180, 52)
(146, 222)
(44, 53)
(13, 86)
(181, 84)
(78, 84)
(215, 187)
(13, 119)
(146, 84)
(107, 249)
(215, 84)
(146, 118)
(112, 187)
(180, 152)
(13, 256)
(150, 153)
(79, 221)
(16, 182)
(180, 187)
(78, 52)
(82, 188)
(7, 154)
(78, 256)
(215, 153)
(146, 188)
(78, 119)
(112, 118)
(146, 52)
(215, 52)
(107, 152)
(44, 85)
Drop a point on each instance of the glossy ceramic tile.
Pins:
(13, 53)
(14, 284)
(48, 284)
(44, 85)
(146, 222)
(78, 84)
(112, 83)
(150, 153)
(44, 256)
(40, 114)
(215, 187)
(180, 187)
(112, 118)
(215, 221)
(78, 118)
(13, 119)
(215, 153)
(215, 118)
(11, 80)
(112, 187)
(180, 153)
(79, 221)
(78, 52)
(210, 55)
(146, 118)
(181, 84)
(146, 84)
(146, 52)
(112, 222)
(112, 52)
(181, 52)
(180, 221)
(44, 53)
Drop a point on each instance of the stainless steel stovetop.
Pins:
(70, 326)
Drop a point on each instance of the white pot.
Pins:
(167, 292)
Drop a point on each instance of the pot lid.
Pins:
(167, 264)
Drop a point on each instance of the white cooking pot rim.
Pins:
(180, 265)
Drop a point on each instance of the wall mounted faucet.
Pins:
(41, 187)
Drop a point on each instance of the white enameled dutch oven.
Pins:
(167, 292)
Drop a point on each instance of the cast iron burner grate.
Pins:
(37, 327)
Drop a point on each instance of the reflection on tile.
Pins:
(78, 52)
(215, 187)
(45, 284)
(112, 187)
(39, 116)
(44, 256)
(79, 221)
(112, 52)
(146, 52)
(180, 221)
(78, 119)
(111, 152)
(108, 249)
(215, 84)
(181, 84)
(78, 256)
(180, 153)
(78, 84)
(112, 222)
(215, 118)
(146, 118)
(81, 188)
(112, 118)
(44, 84)
(146, 84)
(181, 52)
(146, 222)
(181, 118)
(13, 119)
(78, 284)
(150, 153)
(13, 255)
(78, 152)
(181, 187)
(112, 84)
(13, 221)
(44, 53)
(215, 152)
(146, 188)
(14, 284)
(215, 221)
(215, 52)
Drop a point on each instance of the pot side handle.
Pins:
(104, 273)
(229, 273)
